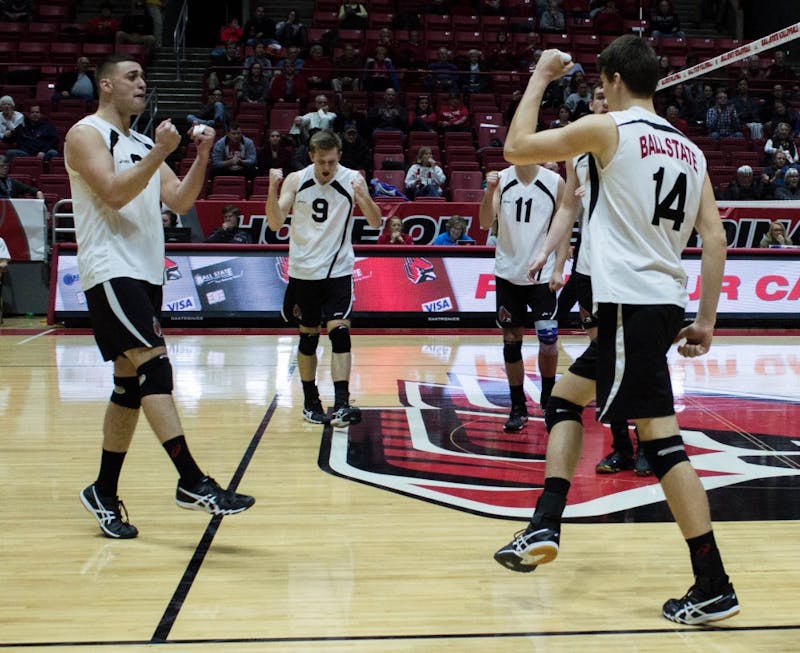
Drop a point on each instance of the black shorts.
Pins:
(583, 292)
(633, 379)
(313, 303)
(585, 365)
(512, 303)
(125, 314)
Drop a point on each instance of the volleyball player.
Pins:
(320, 199)
(652, 189)
(118, 180)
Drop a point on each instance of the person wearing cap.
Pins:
(356, 152)
(229, 231)
(746, 187)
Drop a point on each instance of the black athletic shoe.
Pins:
(528, 549)
(613, 463)
(517, 419)
(697, 607)
(110, 513)
(640, 464)
(208, 496)
(315, 413)
(345, 416)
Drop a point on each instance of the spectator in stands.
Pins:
(347, 115)
(318, 69)
(308, 124)
(78, 83)
(380, 72)
(781, 112)
(552, 19)
(288, 86)
(423, 117)
(425, 178)
(291, 31)
(456, 232)
(393, 234)
(673, 117)
(608, 20)
(259, 28)
(665, 67)
(234, 154)
(501, 54)
(563, 117)
(703, 103)
(255, 87)
(259, 56)
(746, 187)
(348, 68)
(137, 28)
(277, 152)
(747, 108)
(231, 32)
(721, 119)
(169, 219)
(20, 11)
(37, 137)
(156, 10)
(10, 187)
(780, 68)
(492, 8)
(226, 68)
(214, 114)
(476, 78)
(229, 231)
(665, 23)
(679, 97)
(412, 51)
(443, 76)
(353, 15)
(527, 53)
(581, 96)
(10, 119)
(386, 39)
(291, 56)
(103, 28)
(356, 152)
(752, 69)
(768, 106)
(773, 173)
(776, 236)
(791, 186)
(454, 116)
(782, 140)
(388, 115)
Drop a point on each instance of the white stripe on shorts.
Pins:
(115, 307)
(619, 366)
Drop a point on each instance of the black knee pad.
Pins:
(155, 376)
(512, 351)
(126, 392)
(664, 453)
(561, 410)
(340, 339)
(308, 343)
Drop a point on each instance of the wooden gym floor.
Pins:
(380, 538)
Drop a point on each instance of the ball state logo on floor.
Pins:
(445, 444)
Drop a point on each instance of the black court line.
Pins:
(709, 630)
(176, 602)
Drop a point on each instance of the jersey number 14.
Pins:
(672, 205)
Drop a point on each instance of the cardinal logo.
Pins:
(419, 269)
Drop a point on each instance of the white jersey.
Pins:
(524, 217)
(586, 173)
(647, 203)
(128, 242)
(321, 232)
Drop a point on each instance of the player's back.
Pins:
(648, 197)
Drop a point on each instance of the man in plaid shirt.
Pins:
(721, 119)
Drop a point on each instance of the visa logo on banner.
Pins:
(438, 305)
(185, 304)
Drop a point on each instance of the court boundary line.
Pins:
(711, 629)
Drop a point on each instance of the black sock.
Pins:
(622, 438)
(517, 395)
(341, 393)
(110, 468)
(180, 456)
(310, 393)
(551, 504)
(547, 385)
(707, 563)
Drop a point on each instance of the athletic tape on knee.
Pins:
(561, 410)
(512, 351)
(547, 331)
(340, 339)
(126, 392)
(308, 343)
(155, 376)
(664, 453)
